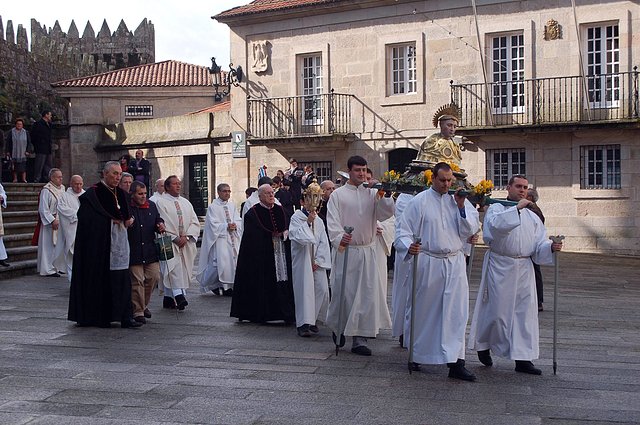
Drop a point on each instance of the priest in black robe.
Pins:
(262, 290)
(100, 282)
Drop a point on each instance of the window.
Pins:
(504, 163)
(323, 169)
(600, 167)
(311, 85)
(603, 66)
(402, 69)
(507, 71)
(131, 111)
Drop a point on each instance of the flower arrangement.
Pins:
(483, 188)
(454, 167)
(391, 176)
(428, 177)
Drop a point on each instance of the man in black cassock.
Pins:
(100, 282)
(262, 290)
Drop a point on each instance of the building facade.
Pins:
(545, 89)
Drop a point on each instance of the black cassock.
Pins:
(98, 295)
(257, 295)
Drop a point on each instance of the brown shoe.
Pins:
(147, 313)
(140, 319)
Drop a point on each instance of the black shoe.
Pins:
(218, 291)
(401, 340)
(303, 331)
(314, 329)
(413, 366)
(485, 357)
(181, 302)
(130, 324)
(540, 307)
(361, 350)
(526, 366)
(168, 302)
(4, 263)
(458, 371)
(140, 319)
(227, 292)
(147, 313)
(53, 275)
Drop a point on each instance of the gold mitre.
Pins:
(312, 195)
(449, 111)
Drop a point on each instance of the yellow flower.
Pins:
(428, 177)
(454, 167)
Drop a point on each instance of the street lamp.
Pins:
(222, 83)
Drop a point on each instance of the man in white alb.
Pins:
(46, 234)
(220, 244)
(68, 206)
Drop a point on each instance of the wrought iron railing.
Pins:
(544, 101)
(307, 115)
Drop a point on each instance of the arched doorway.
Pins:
(400, 158)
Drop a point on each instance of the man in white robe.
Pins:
(401, 278)
(310, 260)
(444, 223)
(505, 319)
(68, 206)
(357, 307)
(220, 244)
(159, 190)
(182, 224)
(3, 251)
(48, 224)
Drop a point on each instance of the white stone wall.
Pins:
(352, 44)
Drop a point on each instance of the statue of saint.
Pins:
(441, 146)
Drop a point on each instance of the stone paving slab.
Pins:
(201, 366)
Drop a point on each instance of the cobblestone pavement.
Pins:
(201, 366)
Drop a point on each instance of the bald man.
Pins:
(68, 206)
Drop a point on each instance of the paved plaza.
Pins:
(200, 366)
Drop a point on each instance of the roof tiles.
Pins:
(168, 73)
(259, 6)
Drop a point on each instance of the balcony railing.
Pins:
(292, 116)
(549, 101)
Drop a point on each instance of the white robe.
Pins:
(68, 206)
(310, 289)
(442, 290)
(384, 242)
(505, 318)
(48, 238)
(401, 276)
(219, 250)
(179, 270)
(363, 309)
(3, 204)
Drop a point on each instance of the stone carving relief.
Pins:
(552, 30)
(261, 54)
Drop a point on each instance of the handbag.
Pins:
(164, 246)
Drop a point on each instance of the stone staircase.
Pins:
(19, 220)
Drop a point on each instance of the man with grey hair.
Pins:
(100, 285)
(220, 244)
(68, 215)
(45, 235)
(262, 289)
(159, 190)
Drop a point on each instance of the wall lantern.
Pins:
(222, 84)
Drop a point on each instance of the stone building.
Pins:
(149, 107)
(544, 89)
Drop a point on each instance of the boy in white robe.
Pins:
(310, 260)
(444, 223)
(356, 308)
(505, 319)
(220, 244)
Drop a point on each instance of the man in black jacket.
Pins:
(144, 266)
(42, 145)
(140, 168)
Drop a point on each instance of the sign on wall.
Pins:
(238, 144)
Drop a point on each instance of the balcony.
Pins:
(308, 116)
(558, 101)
